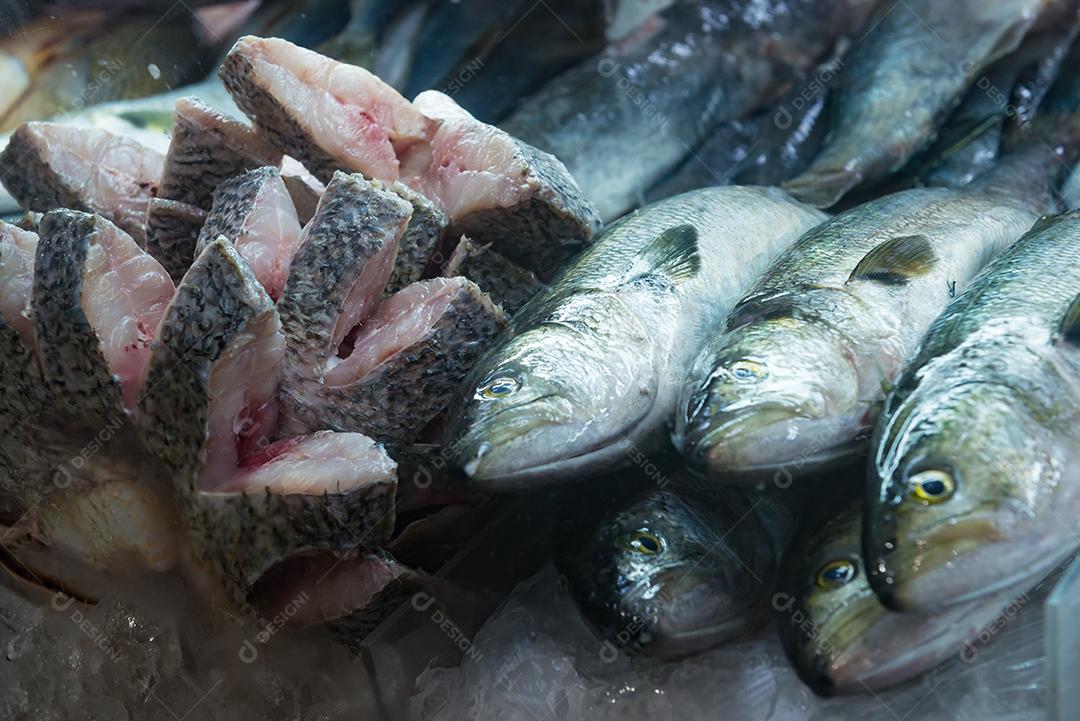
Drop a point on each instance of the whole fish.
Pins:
(972, 483)
(668, 574)
(837, 634)
(594, 361)
(662, 89)
(794, 379)
(901, 80)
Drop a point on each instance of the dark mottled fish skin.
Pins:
(172, 232)
(421, 236)
(75, 369)
(899, 83)
(508, 284)
(273, 120)
(26, 466)
(208, 148)
(542, 233)
(404, 393)
(234, 201)
(236, 535)
(31, 181)
(356, 221)
(651, 95)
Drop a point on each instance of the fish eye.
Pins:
(498, 388)
(643, 542)
(835, 574)
(748, 371)
(932, 486)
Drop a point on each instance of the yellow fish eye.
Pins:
(643, 542)
(499, 388)
(932, 486)
(835, 574)
(748, 371)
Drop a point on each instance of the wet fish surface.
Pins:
(508, 284)
(901, 80)
(952, 515)
(837, 634)
(593, 361)
(794, 379)
(662, 89)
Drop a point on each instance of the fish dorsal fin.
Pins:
(1069, 328)
(897, 261)
(672, 255)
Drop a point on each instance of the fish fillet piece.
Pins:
(351, 596)
(50, 165)
(333, 116)
(328, 115)
(172, 232)
(17, 250)
(322, 492)
(508, 284)
(98, 300)
(304, 188)
(255, 212)
(209, 412)
(337, 277)
(401, 367)
(208, 148)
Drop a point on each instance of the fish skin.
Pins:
(609, 338)
(685, 598)
(820, 345)
(995, 360)
(841, 640)
(172, 232)
(395, 400)
(208, 148)
(421, 237)
(508, 284)
(73, 364)
(357, 222)
(235, 535)
(650, 94)
(28, 169)
(899, 83)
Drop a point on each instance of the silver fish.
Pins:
(594, 362)
(972, 485)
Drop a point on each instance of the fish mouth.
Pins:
(501, 462)
(740, 440)
(959, 563)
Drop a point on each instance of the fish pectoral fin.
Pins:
(897, 261)
(673, 255)
(1069, 328)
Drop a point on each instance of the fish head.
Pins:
(775, 392)
(968, 492)
(654, 577)
(839, 636)
(550, 399)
